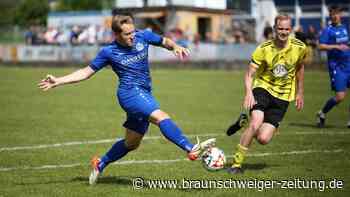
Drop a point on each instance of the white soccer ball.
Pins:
(213, 159)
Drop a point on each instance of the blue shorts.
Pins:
(138, 103)
(340, 78)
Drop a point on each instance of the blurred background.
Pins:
(224, 31)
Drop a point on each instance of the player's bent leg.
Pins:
(265, 133)
(321, 115)
(132, 139)
(339, 82)
(257, 118)
(119, 149)
(340, 96)
(122, 147)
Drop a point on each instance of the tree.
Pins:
(74, 5)
(68, 5)
(7, 9)
(31, 12)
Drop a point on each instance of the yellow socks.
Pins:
(238, 157)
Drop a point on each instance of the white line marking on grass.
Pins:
(299, 152)
(130, 162)
(40, 167)
(105, 141)
(41, 146)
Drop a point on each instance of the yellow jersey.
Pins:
(276, 68)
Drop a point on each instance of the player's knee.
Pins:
(263, 140)
(158, 116)
(339, 97)
(132, 145)
(164, 116)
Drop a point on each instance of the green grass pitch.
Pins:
(202, 102)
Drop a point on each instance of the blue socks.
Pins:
(117, 151)
(168, 129)
(174, 134)
(329, 105)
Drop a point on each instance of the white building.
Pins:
(213, 4)
(81, 18)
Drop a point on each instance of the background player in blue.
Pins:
(128, 56)
(334, 40)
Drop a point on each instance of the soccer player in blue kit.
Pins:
(128, 57)
(335, 39)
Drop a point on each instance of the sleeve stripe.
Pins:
(254, 63)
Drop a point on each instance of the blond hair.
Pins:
(119, 20)
(281, 17)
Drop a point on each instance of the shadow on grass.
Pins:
(115, 180)
(250, 166)
(128, 182)
(255, 166)
(107, 180)
(40, 183)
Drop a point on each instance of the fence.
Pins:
(204, 55)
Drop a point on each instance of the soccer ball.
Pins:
(213, 159)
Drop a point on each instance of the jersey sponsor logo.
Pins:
(342, 39)
(279, 70)
(134, 59)
(139, 46)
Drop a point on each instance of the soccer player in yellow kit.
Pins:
(275, 77)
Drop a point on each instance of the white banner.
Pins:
(45, 53)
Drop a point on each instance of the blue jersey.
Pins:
(129, 63)
(336, 35)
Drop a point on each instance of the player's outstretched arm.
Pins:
(299, 100)
(249, 100)
(51, 81)
(179, 51)
(326, 47)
